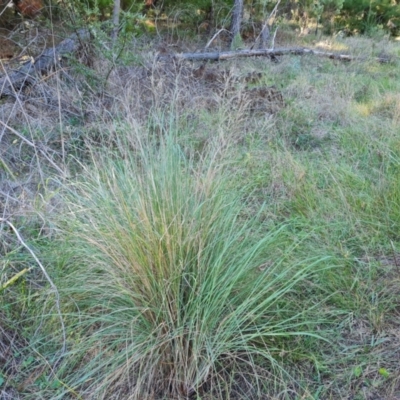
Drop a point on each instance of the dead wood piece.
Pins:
(272, 53)
(29, 72)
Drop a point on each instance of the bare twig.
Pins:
(24, 139)
(395, 256)
(274, 11)
(47, 276)
(10, 4)
(214, 37)
(273, 38)
(264, 34)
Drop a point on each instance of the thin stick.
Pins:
(273, 39)
(53, 286)
(265, 24)
(214, 37)
(9, 5)
(274, 11)
(395, 257)
(24, 139)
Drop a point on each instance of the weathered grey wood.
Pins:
(115, 17)
(30, 71)
(227, 55)
(237, 17)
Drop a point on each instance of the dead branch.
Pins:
(29, 72)
(272, 53)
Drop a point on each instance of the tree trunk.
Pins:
(237, 17)
(116, 11)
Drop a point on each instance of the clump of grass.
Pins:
(171, 283)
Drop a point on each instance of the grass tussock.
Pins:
(177, 283)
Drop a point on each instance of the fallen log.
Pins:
(272, 53)
(31, 71)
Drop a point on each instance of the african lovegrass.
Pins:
(169, 280)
